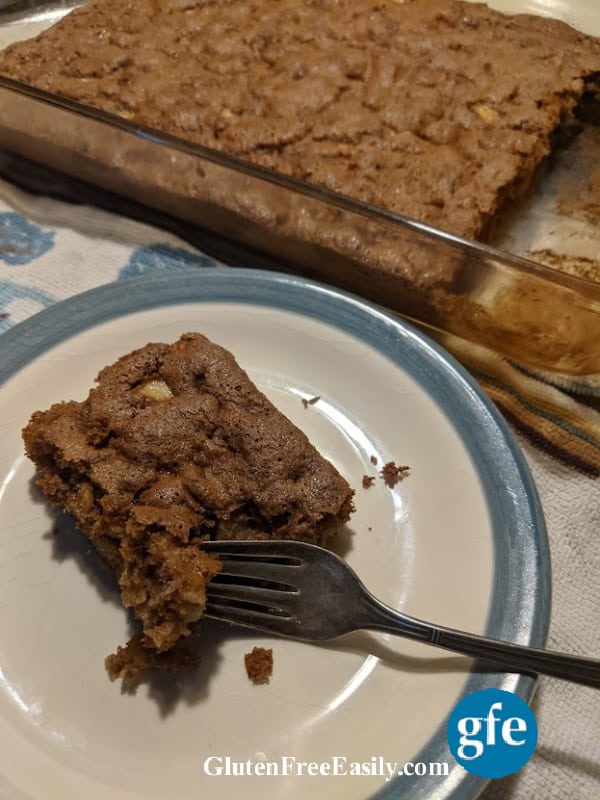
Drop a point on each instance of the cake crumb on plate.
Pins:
(306, 403)
(259, 665)
(391, 473)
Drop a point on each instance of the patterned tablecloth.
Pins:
(51, 250)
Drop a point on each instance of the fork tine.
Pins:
(282, 550)
(256, 585)
(281, 574)
(251, 618)
(256, 559)
(272, 600)
(276, 587)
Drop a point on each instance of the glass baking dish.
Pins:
(514, 306)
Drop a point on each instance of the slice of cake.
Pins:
(174, 445)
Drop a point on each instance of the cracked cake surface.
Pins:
(439, 110)
(174, 445)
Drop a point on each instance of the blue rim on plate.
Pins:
(520, 603)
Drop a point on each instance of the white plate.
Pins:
(460, 541)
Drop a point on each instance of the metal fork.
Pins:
(301, 591)
(30, 10)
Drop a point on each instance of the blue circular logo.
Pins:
(492, 733)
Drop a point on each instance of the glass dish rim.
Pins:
(477, 250)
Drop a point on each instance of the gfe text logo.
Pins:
(492, 733)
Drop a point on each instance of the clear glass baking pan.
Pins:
(514, 306)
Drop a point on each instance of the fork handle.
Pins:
(513, 657)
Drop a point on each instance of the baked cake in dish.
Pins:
(439, 110)
(174, 445)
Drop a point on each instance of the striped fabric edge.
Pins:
(556, 414)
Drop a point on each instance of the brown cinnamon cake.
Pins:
(174, 445)
(437, 109)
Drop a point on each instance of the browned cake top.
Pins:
(433, 108)
(182, 425)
